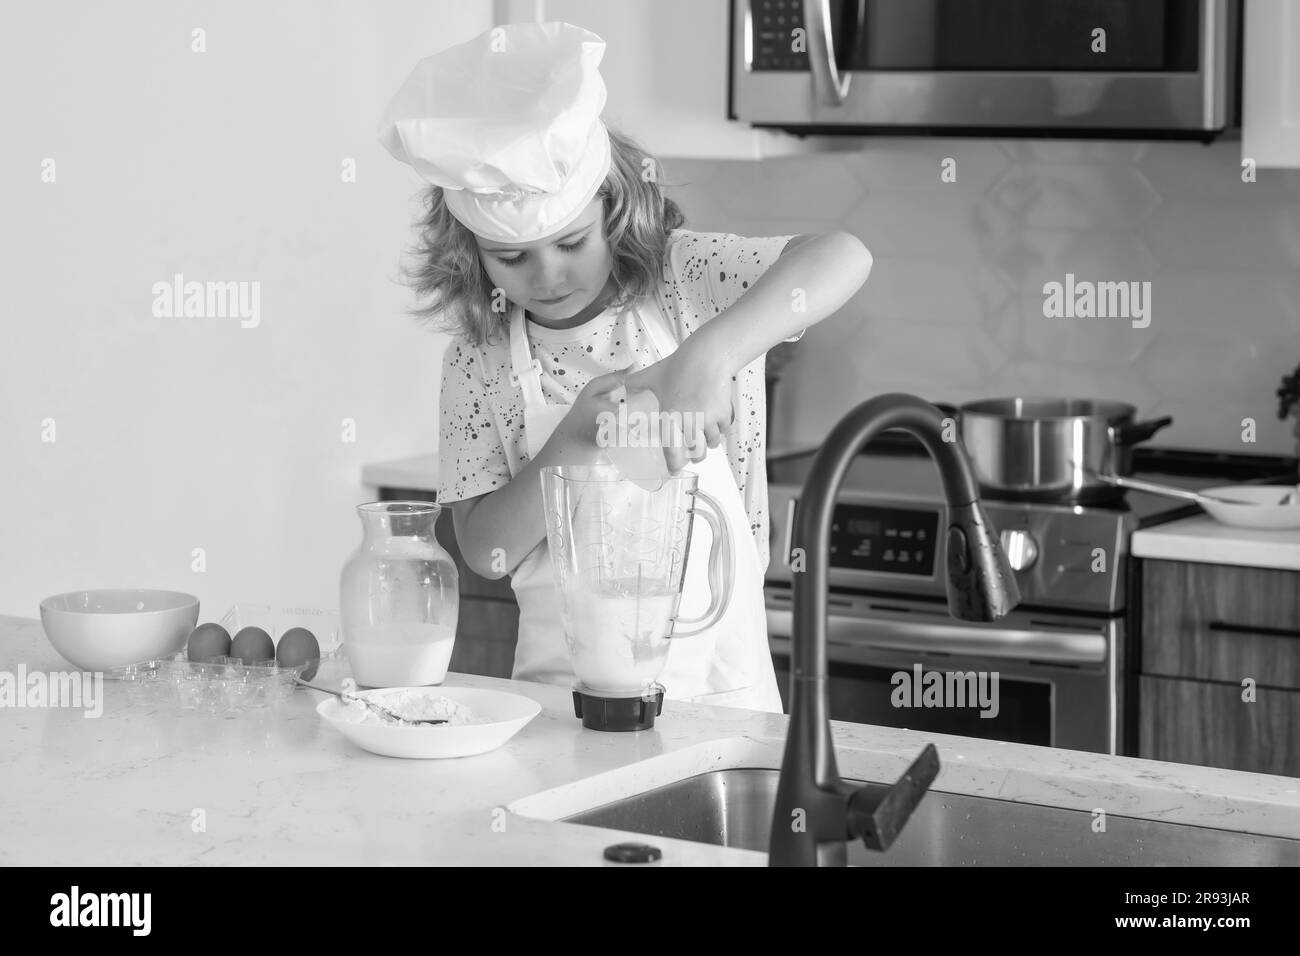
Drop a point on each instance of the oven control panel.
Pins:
(890, 542)
(876, 538)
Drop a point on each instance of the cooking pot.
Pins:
(1052, 449)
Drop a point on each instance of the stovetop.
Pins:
(904, 470)
(886, 537)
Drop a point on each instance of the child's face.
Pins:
(575, 264)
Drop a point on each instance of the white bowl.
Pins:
(1265, 512)
(506, 715)
(112, 627)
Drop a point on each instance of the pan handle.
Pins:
(1135, 432)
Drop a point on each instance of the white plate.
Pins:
(506, 715)
(1264, 513)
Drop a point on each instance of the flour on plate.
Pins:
(410, 705)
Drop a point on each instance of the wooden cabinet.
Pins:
(488, 625)
(1207, 723)
(1270, 75)
(1208, 632)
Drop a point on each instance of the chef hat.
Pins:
(508, 124)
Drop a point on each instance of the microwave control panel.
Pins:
(773, 25)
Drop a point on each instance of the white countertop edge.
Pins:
(1203, 540)
(418, 471)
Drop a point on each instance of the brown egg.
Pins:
(252, 644)
(208, 641)
(299, 646)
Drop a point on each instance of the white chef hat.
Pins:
(508, 124)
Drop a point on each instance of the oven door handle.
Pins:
(906, 633)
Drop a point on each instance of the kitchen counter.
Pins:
(131, 786)
(420, 472)
(1202, 539)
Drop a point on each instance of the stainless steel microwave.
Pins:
(1004, 67)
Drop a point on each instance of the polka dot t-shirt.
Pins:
(481, 421)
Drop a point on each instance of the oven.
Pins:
(1031, 678)
(1050, 673)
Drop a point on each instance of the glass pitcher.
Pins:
(399, 598)
(620, 550)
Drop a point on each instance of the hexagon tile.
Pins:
(1066, 196)
(954, 308)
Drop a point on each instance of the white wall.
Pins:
(181, 433)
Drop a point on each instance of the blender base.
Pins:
(602, 711)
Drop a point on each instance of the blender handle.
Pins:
(721, 566)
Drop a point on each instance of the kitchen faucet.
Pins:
(817, 812)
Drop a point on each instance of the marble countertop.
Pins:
(141, 786)
(1202, 539)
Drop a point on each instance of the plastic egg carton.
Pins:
(276, 620)
(227, 685)
(221, 686)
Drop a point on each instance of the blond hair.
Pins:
(450, 275)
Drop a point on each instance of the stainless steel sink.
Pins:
(734, 808)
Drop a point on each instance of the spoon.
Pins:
(381, 711)
(1168, 490)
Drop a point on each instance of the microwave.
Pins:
(1112, 68)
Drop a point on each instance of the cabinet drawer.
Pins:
(1208, 724)
(1216, 622)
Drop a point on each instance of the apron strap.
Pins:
(525, 371)
(650, 311)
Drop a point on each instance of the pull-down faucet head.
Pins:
(981, 584)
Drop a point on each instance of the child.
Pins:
(548, 248)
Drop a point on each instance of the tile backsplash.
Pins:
(954, 309)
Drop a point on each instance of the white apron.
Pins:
(729, 664)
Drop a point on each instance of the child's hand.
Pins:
(700, 392)
(581, 425)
